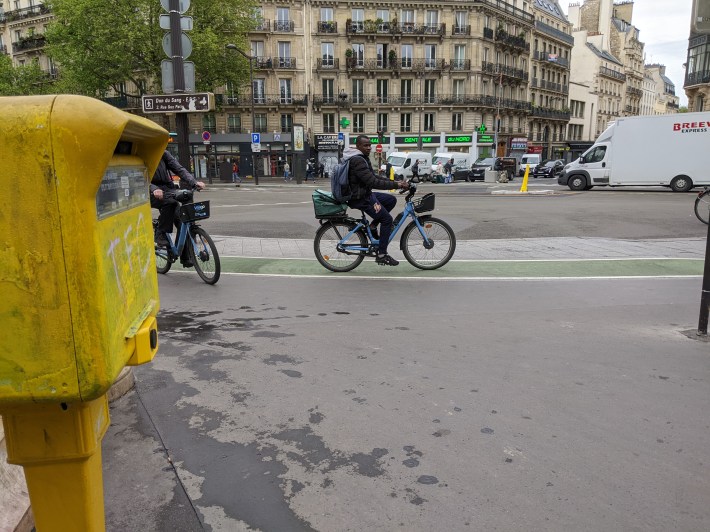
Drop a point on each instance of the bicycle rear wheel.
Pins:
(441, 247)
(204, 255)
(325, 246)
(702, 206)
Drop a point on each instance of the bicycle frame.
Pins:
(177, 248)
(408, 212)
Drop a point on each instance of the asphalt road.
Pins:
(333, 403)
(317, 404)
(475, 213)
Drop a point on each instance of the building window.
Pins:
(358, 55)
(358, 20)
(258, 90)
(429, 91)
(428, 121)
(328, 90)
(383, 14)
(327, 54)
(457, 122)
(209, 122)
(329, 123)
(382, 122)
(405, 122)
(358, 94)
(286, 123)
(234, 123)
(382, 90)
(326, 14)
(260, 123)
(407, 54)
(358, 122)
(405, 91)
(285, 95)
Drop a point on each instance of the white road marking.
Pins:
(262, 204)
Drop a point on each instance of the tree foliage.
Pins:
(117, 44)
(22, 79)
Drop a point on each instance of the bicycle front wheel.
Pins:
(702, 207)
(326, 241)
(162, 260)
(204, 255)
(434, 254)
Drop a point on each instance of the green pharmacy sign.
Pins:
(485, 139)
(458, 139)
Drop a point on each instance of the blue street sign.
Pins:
(256, 138)
(341, 136)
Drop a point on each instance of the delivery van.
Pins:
(532, 159)
(665, 150)
(402, 162)
(461, 161)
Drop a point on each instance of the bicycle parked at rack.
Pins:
(702, 206)
(201, 249)
(342, 243)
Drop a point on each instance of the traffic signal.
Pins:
(344, 122)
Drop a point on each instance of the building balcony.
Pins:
(609, 73)
(371, 27)
(460, 65)
(286, 26)
(29, 43)
(634, 92)
(461, 30)
(551, 58)
(468, 100)
(328, 63)
(673, 106)
(554, 33)
(285, 63)
(263, 25)
(699, 77)
(514, 42)
(548, 85)
(488, 33)
(262, 99)
(508, 72)
(631, 110)
(327, 26)
(554, 114)
(25, 13)
(403, 64)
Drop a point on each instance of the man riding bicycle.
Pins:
(162, 183)
(362, 180)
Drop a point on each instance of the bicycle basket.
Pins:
(425, 203)
(194, 212)
(325, 206)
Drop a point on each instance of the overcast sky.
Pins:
(664, 27)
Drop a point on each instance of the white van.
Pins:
(533, 159)
(402, 162)
(461, 161)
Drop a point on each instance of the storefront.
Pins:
(440, 142)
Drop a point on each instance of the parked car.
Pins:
(478, 170)
(549, 168)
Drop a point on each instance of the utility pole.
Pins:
(181, 121)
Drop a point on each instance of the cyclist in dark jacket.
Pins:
(362, 180)
(161, 183)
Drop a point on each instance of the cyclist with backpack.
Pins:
(362, 180)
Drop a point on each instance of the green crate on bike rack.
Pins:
(325, 206)
(425, 203)
(194, 212)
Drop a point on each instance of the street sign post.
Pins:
(256, 138)
(201, 102)
(185, 23)
(166, 68)
(255, 147)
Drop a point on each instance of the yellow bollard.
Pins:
(59, 446)
(392, 178)
(524, 185)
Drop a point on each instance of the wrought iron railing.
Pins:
(284, 25)
(327, 26)
(497, 68)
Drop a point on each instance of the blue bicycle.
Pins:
(201, 249)
(342, 243)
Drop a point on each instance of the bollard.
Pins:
(705, 295)
(524, 185)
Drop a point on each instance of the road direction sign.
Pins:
(201, 102)
(255, 147)
(185, 23)
(166, 69)
(256, 138)
(184, 39)
(183, 5)
(378, 148)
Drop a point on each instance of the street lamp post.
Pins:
(341, 100)
(250, 58)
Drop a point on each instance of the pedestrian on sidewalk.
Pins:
(287, 172)
(235, 174)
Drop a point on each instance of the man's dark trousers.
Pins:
(383, 218)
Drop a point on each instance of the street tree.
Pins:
(22, 79)
(104, 45)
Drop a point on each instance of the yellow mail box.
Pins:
(78, 289)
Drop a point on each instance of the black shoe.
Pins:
(162, 241)
(386, 260)
(187, 263)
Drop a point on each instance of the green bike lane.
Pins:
(484, 269)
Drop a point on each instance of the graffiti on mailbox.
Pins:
(131, 252)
